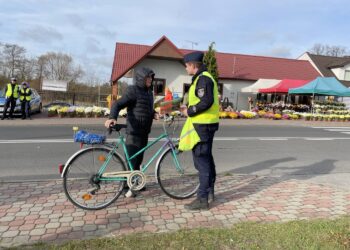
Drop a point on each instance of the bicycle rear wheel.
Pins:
(176, 174)
(80, 181)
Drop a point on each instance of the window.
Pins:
(347, 75)
(159, 86)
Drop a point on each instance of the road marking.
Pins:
(332, 127)
(337, 130)
(29, 141)
(273, 139)
(320, 139)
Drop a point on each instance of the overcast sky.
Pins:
(88, 30)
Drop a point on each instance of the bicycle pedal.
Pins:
(130, 194)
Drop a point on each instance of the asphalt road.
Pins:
(317, 153)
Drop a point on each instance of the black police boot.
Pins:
(2, 118)
(211, 197)
(198, 204)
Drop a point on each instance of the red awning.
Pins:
(284, 85)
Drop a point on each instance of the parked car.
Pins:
(57, 103)
(35, 104)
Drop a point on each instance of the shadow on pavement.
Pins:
(255, 183)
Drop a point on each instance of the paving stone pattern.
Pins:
(39, 211)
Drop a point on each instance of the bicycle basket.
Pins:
(89, 138)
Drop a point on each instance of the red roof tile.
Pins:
(230, 66)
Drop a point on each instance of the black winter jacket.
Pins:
(138, 100)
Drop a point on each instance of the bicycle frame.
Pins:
(168, 142)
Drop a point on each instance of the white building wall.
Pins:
(340, 72)
(172, 71)
(232, 90)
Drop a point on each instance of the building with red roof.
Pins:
(236, 71)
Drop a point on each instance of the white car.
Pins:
(35, 104)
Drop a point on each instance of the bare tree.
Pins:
(13, 56)
(327, 50)
(27, 68)
(58, 66)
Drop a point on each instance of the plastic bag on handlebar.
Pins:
(89, 138)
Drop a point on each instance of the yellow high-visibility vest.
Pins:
(210, 115)
(12, 90)
(25, 95)
(189, 136)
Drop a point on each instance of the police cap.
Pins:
(196, 56)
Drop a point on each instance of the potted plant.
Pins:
(71, 111)
(52, 111)
(79, 111)
(97, 111)
(62, 112)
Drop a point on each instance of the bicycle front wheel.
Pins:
(176, 174)
(81, 183)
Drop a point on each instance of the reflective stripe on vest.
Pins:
(25, 94)
(189, 137)
(210, 115)
(11, 91)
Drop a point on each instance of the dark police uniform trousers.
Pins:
(204, 163)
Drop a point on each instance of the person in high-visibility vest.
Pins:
(11, 95)
(202, 122)
(25, 97)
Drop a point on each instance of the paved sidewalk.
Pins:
(39, 211)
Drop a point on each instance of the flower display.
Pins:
(277, 116)
(97, 111)
(88, 111)
(233, 115)
(52, 111)
(248, 114)
(223, 114)
(286, 117)
(62, 111)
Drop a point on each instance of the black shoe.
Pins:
(211, 197)
(23, 118)
(198, 204)
(2, 118)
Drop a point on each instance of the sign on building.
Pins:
(54, 85)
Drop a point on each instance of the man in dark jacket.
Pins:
(138, 100)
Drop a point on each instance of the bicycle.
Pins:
(94, 177)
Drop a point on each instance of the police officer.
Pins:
(25, 97)
(11, 95)
(203, 112)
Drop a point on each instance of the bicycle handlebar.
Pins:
(116, 127)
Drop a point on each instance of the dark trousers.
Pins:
(204, 163)
(25, 107)
(133, 144)
(10, 102)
